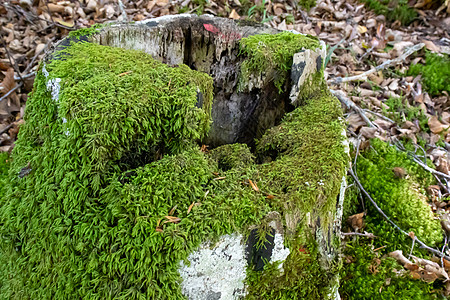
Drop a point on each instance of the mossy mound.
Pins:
(118, 191)
(403, 199)
(272, 52)
(435, 73)
(369, 274)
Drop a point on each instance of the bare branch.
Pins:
(351, 105)
(388, 63)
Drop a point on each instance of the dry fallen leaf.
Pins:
(171, 219)
(190, 207)
(435, 125)
(254, 186)
(356, 221)
(234, 15)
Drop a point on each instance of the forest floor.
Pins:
(388, 64)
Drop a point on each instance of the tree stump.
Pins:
(113, 193)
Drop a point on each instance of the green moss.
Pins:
(87, 32)
(272, 52)
(4, 167)
(368, 275)
(400, 111)
(309, 157)
(393, 10)
(233, 156)
(307, 4)
(435, 73)
(401, 198)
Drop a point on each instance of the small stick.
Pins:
(379, 248)
(378, 115)
(388, 63)
(11, 91)
(351, 105)
(365, 234)
(422, 244)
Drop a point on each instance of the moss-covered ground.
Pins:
(369, 274)
(435, 73)
(118, 191)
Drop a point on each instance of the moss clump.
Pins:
(4, 167)
(400, 111)
(87, 32)
(393, 11)
(368, 275)
(272, 52)
(233, 156)
(401, 198)
(435, 73)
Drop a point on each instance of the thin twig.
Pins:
(388, 63)
(351, 105)
(11, 91)
(13, 64)
(26, 76)
(365, 234)
(422, 244)
(6, 128)
(379, 115)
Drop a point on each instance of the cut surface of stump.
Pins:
(121, 199)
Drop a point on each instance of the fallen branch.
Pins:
(388, 63)
(417, 240)
(351, 105)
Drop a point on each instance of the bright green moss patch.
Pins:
(369, 275)
(272, 52)
(393, 11)
(4, 167)
(233, 156)
(435, 73)
(402, 199)
(87, 32)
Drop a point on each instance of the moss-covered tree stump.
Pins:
(112, 195)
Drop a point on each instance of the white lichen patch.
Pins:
(54, 86)
(279, 252)
(215, 272)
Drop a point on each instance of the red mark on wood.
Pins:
(211, 28)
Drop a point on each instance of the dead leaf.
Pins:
(254, 186)
(356, 221)
(399, 173)
(436, 126)
(431, 46)
(190, 207)
(398, 255)
(234, 15)
(172, 210)
(171, 219)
